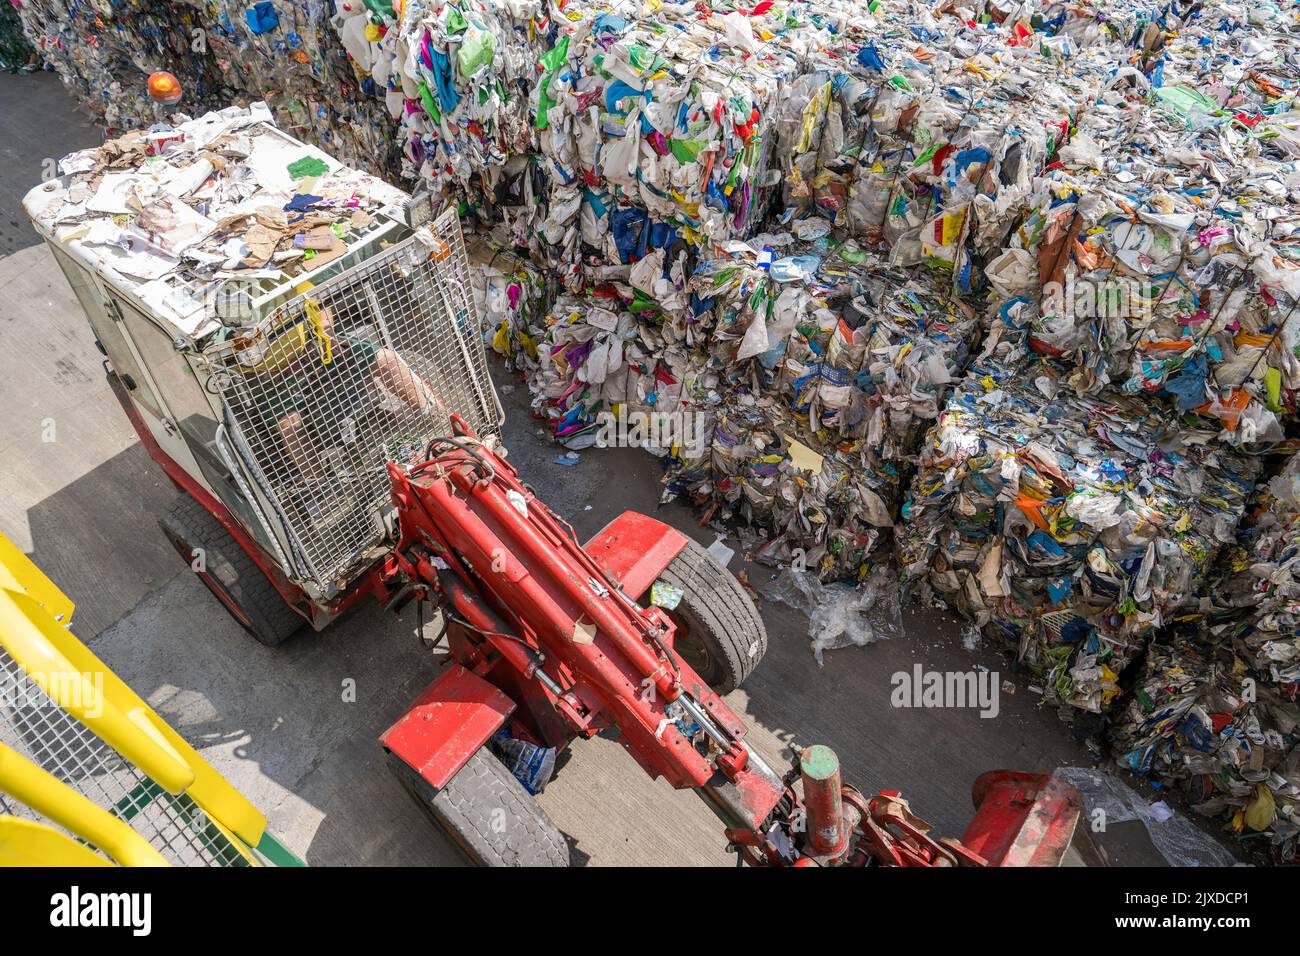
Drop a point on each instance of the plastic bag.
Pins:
(841, 615)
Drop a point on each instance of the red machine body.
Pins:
(549, 639)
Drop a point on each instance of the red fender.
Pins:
(634, 549)
(447, 724)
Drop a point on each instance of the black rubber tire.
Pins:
(719, 631)
(488, 814)
(232, 575)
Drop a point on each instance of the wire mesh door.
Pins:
(358, 371)
(39, 729)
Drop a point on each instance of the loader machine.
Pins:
(384, 477)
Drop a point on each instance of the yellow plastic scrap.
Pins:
(1259, 813)
(501, 341)
(313, 309)
(808, 119)
(1109, 685)
(529, 343)
(323, 344)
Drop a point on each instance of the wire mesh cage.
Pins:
(349, 375)
(39, 729)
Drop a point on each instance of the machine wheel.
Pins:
(230, 573)
(719, 631)
(488, 814)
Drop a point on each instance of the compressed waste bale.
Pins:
(1070, 527)
(1198, 718)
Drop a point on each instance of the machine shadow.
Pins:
(97, 537)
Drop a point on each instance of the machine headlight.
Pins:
(419, 210)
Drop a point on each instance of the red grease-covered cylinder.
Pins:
(528, 564)
(527, 545)
(820, 769)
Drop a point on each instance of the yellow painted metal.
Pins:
(55, 800)
(18, 573)
(86, 689)
(29, 843)
(85, 686)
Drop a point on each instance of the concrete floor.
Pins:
(276, 722)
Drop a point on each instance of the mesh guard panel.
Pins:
(360, 370)
(50, 737)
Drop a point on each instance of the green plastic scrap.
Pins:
(476, 52)
(428, 102)
(308, 166)
(1273, 389)
(1184, 100)
(552, 60)
(685, 150)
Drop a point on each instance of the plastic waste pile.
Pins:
(224, 53)
(948, 129)
(105, 52)
(667, 118)
(1256, 600)
(287, 55)
(510, 295)
(1071, 527)
(1201, 719)
(453, 80)
(577, 127)
(936, 142)
(794, 375)
(1217, 714)
(17, 55)
(573, 124)
(861, 359)
(1158, 256)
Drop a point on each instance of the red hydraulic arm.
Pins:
(544, 636)
(536, 615)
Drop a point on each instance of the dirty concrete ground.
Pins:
(81, 497)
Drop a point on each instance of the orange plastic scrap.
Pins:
(1033, 509)
(1091, 257)
(1265, 84)
(1245, 339)
(1229, 411)
(1166, 345)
